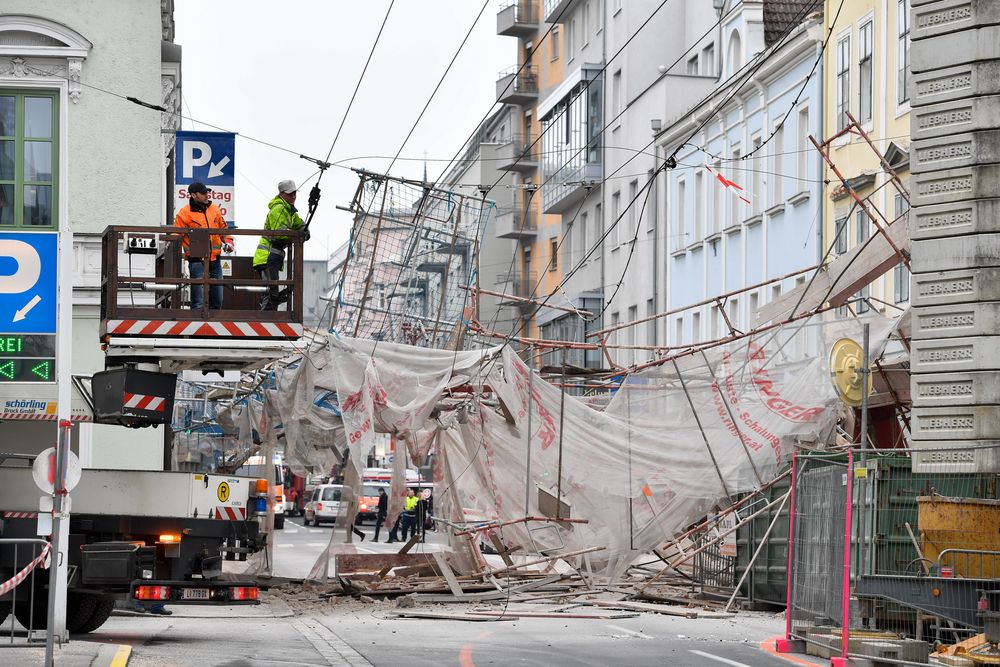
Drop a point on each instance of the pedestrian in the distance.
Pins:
(410, 514)
(200, 213)
(269, 259)
(383, 510)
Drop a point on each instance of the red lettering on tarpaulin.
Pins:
(771, 396)
(547, 431)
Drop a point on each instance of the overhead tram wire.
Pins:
(751, 66)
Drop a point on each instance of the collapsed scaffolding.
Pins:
(687, 447)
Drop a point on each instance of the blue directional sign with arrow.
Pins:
(28, 268)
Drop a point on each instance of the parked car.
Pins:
(324, 505)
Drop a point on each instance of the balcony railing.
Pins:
(519, 283)
(517, 220)
(517, 18)
(555, 9)
(520, 153)
(517, 85)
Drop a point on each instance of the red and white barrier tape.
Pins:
(14, 581)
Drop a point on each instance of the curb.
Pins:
(768, 646)
(113, 655)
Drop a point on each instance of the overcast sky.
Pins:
(283, 72)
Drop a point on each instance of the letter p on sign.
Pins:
(190, 161)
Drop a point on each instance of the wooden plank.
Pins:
(345, 563)
(449, 575)
(644, 606)
(453, 617)
(557, 614)
(500, 548)
(406, 547)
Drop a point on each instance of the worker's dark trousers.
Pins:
(409, 524)
(271, 272)
(379, 520)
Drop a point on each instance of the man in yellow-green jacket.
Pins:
(269, 259)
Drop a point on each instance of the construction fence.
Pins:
(902, 549)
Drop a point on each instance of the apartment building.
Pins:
(866, 74)
(744, 203)
(537, 267)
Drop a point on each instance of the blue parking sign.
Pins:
(29, 265)
(209, 157)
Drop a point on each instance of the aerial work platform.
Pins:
(146, 295)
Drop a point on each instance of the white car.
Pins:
(324, 504)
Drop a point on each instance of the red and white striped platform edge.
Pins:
(10, 584)
(144, 402)
(5, 416)
(201, 328)
(231, 513)
(20, 515)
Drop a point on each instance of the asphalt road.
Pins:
(297, 547)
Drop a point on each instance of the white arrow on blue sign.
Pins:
(29, 264)
(208, 157)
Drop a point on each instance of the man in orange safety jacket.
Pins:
(201, 213)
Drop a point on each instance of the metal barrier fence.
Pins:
(23, 596)
(902, 548)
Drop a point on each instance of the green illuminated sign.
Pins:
(27, 357)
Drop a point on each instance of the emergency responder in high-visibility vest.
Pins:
(200, 213)
(410, 514)
(269, 259)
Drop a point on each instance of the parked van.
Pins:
(324, 505)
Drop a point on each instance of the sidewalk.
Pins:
(76, 653)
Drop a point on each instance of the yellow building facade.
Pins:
(866, 74)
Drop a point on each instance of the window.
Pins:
(862, 305)
(757, 196)
(585, 37)
(861, 227)
(681, 221)
(775, 292)
(777, 166)
(735, 55)
(714, 322)
(692, 66)
(633, 315)
(716, 200)
(903, 51)
(616, 203)
(735, 204)
(734, 314)
(865, 79)
(679, 330)
(570, 29)
(900, 274)
(699, 205)
(708, 60)
(651, 196)
(582, 232)
(650, 325)
(554, 43)
(598, 220)
(696, 327)
(754, 305)
(569, 237)
(803, 147)
(840, 236)
(29, 123)
(633, 210)
(616, 93)
(843, 81)
(526, 257)
(553, 254)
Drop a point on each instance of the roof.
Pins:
(782, 15)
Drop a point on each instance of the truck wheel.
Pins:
(34, 616)
(5, 608)
(279, 521)
(102, 612)
(79, 608)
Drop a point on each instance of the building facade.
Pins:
(76, 159)
(866, 72)
(745, 199)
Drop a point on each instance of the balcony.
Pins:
(555, 9)
(567, 189)
(518, 154)
(516, 222)
(517, 18)
(520, 284)
(514, 87)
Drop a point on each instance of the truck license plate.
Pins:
(195, 594)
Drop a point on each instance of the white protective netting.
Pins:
(674, 441)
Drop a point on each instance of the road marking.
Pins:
(315, 530)
(291, 530)
(634, 633)
(315, 544)
(329, 644)
(121, 656)
(768, 647)
(725, 661)
(284, 545)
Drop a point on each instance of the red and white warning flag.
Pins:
(737, 190)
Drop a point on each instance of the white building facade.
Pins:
(76, 159)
